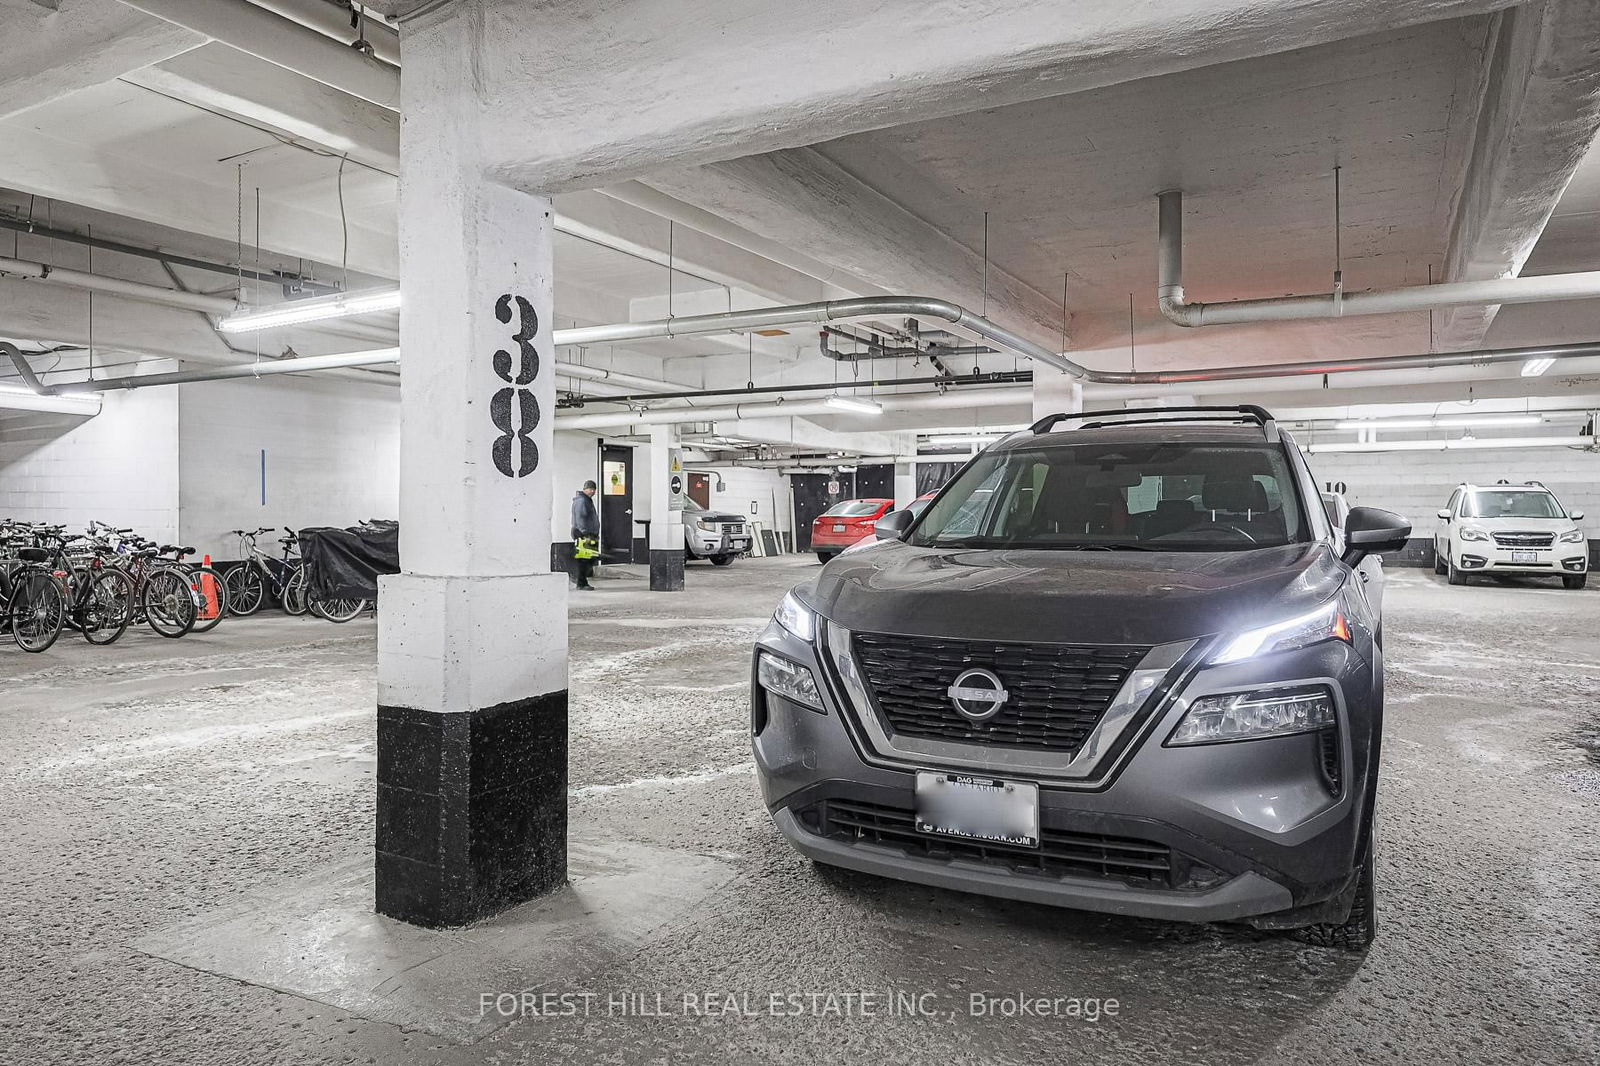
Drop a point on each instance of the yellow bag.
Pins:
(586, 548)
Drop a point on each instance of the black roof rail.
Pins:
(1145, 415)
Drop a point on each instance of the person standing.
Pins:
(585, 533)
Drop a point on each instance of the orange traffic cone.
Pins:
(208, 591)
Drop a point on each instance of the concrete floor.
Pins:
(157, 782)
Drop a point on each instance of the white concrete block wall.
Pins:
(332, 456)
(759, 494)
(1418, 484)
(121, 466)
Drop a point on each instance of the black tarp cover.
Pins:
(344, 564)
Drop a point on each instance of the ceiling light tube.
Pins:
(943, 441)
(1534, 367)
(1489, 443)
(296, 312)
(857, 404)
(1448, 422)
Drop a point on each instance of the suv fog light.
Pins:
(1252, 715)
(789, 680)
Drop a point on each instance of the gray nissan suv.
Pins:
(1123, 667)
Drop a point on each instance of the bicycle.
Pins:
(33, 601)
(250, 581)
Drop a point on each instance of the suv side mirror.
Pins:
(1444, 516)
(1372, 531)
(1576, 516)
(893, 525)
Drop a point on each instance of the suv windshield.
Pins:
(1512, 503)
(852, 509)
(1155, 496)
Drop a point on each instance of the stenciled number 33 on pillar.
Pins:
(515, 410)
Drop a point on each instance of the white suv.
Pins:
(1510, 529)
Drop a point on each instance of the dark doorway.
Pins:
(814, 494)
(700, 489)
(616, 504)
(875, 482)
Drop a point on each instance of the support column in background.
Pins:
(472, 634)
(1055, 393)
(666, 525)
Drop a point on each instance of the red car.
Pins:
(843, 524)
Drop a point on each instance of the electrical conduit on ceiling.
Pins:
(1546, 288)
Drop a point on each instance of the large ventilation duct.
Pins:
(1584, 285)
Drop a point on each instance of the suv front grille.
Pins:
(1057, 692)
(1060, 853)
(733, 527)
(1524, 540)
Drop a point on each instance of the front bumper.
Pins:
(1481, 557)
(1249, 829)
(704, 545)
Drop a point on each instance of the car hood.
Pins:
(1528, 525)
(718, 516)
(1099, 597)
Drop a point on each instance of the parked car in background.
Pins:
(920, 504)
(844, 524)
(1370, 569)
(1510, 529)
(1126, 668)
(720, 536)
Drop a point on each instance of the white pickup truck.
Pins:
(716, 535)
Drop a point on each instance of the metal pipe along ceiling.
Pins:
(133, 290)
(996, 397)
(1169, 288)
(218, 373)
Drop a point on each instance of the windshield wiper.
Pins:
(1111, 548)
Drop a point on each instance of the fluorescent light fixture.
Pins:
(857, 404)
(1460, 422)
(942, 441)
(1534, 367)
(1465, 443)
(22, 398)
(295, 312)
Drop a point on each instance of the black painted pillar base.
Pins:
(666, 570)
(472, 809)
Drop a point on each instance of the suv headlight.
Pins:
(1469, 533)
(1254, 715)
(1325, 623)
(796, 617)
(707, 525)
(790, 680)
(1572, 536)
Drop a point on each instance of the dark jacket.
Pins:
(585, 519)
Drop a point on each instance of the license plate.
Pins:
(977, 808)
(838, 529)
(1524, 557)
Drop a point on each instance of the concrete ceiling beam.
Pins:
(1539, 114)
(218, 77)
(45, 166)
(800, 198)
(769, 74)
(79, 44)
(283, 42)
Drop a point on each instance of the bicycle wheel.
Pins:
(208, 614)
(338, 610)
(169, 607)
(106, 610)
(294, 592)
(246, 590)
(38, 608)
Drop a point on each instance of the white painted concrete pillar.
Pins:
(1055, 392)
(905, 483)
(472, 634)
(666, 524)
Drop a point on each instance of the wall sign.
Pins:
(675, 479)
(514, 410)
